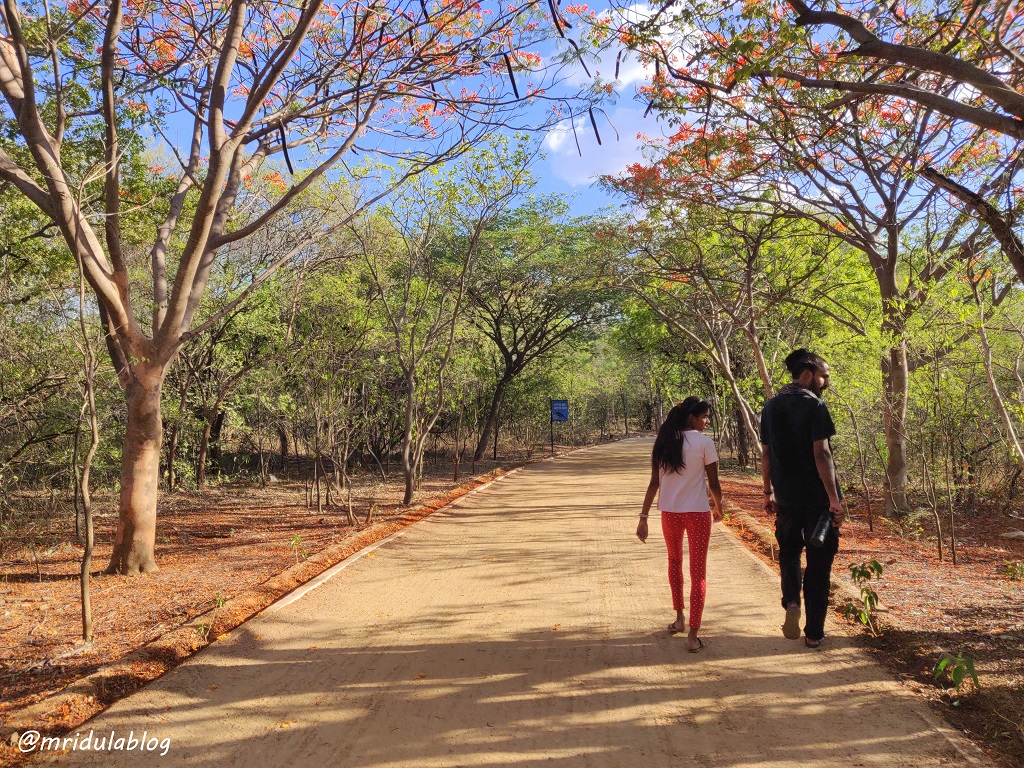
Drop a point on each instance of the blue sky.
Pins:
(564, 171)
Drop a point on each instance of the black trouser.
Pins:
(793, 528)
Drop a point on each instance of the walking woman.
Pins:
(681, 460)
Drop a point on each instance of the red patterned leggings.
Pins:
(698, 528)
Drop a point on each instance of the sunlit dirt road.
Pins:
(526, 627)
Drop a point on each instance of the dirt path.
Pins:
(525, 626)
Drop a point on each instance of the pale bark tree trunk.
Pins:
(85, 570)
(750, 330)
(860, 461)
(993, 385)
(894, 418)
(723, 357)
(135, 543)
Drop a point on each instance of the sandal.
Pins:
(699, 647)
(791, 629)
(674, 630)
(812, 643)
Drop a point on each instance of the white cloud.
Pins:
(580, 167)
(556, 137)
(564, 160)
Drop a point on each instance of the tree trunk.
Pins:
(894, 416)
(213, 422)
(82, 486)
(204, 447)
(76, 480)
(993, 386)
(135, 543)
(214, 453)
(408, 466)
(860, 463)
(282, 436)
(742, 442)
(172, 456)
(492, 420)
(172, 443)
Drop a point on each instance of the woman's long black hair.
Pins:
(668, 447)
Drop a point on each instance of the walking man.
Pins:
(800, 488)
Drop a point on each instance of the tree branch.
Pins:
(912, 56)
(1012, 246)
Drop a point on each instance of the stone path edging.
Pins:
(175, 646)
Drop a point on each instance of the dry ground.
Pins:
(232, 539)
(525, 627)
(227, 541)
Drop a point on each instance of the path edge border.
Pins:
(963, 745)
(168, 651)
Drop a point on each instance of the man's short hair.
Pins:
(800, 360)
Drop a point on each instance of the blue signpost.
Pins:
(559, 412)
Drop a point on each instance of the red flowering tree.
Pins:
(224, 87)
(963, 60)
(747, 136)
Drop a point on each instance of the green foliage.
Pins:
(295, 545)
(862, 574)
(959, 669)
(1014, 570)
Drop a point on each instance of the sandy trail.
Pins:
(524, 627)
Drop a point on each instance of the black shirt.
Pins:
(790, 424)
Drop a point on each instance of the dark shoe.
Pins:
(812, 643)
(700, 646)
(791, 627)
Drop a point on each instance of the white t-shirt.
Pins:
(686, 490)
